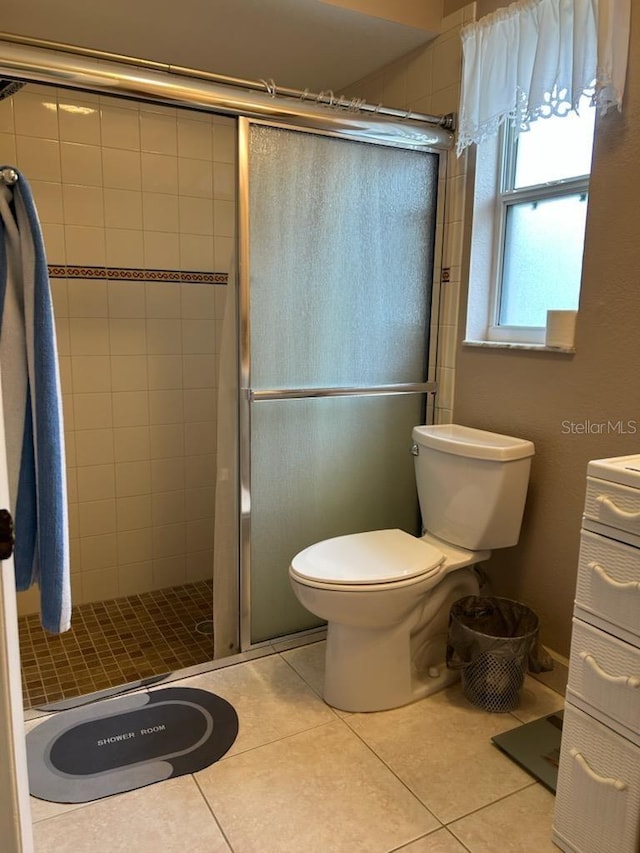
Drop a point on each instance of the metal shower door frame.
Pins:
(249, 396)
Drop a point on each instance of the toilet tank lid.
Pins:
(472, 443)
(378, 556)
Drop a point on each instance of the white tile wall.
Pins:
(122, 184)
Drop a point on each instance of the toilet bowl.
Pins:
(386, 597)
(386, 594)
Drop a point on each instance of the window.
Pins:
(523, 63)
(530, 206)
(541, 208)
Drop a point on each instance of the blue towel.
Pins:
(32, 404)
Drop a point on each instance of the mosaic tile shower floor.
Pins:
(113, 642)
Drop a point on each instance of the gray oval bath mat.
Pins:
(119, 744)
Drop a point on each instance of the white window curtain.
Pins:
(537, 58)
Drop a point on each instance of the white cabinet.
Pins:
(598, 794)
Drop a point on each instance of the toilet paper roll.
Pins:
(561, 328)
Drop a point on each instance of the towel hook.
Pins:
(8, 176)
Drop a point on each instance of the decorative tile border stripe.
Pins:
(127, 274)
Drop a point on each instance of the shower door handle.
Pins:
(7, 536)
(255, 396)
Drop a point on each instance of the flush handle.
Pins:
(7, 537)
(415, 450)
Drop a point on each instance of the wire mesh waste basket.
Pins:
(491, 641)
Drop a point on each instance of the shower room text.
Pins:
(129, 735)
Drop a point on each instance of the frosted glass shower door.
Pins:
(335, 301)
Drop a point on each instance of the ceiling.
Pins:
(302, 44)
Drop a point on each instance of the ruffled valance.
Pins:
(537, 58)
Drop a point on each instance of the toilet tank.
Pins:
(472, 484)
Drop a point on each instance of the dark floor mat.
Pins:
(120, 744)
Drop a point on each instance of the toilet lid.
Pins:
(379, 556)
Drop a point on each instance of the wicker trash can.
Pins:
(491, 640)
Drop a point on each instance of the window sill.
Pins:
(519, 346)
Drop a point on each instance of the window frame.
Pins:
(506, 196)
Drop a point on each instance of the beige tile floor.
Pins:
(303, 778)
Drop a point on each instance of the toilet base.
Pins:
(373, 669)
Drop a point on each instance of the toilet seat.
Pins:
(368, 559)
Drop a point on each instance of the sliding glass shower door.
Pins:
(336, 277)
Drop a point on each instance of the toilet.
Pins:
(386, 594)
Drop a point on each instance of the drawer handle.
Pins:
(611, 581)
(618, 784)
(622, 514)
(622, 680)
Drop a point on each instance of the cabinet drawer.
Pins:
(613, 504)
(605, 673)
(598, 794)
(609, 581)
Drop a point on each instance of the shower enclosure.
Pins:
(137, 205)
(225, 412)
(337, 250)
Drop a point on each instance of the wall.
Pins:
(138, 214)
(428, 81)
(451, 6)
(425, 14)
(532, 394)
(483, 7)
